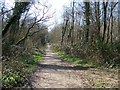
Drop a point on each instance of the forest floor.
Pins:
(56, 73)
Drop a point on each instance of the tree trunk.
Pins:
(97, 11)
(119, 22)
(64, 28)
(105, 20)
(87, 17)
(20, 7)
(72, 26)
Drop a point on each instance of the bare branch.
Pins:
(43, 18)
(1, 13)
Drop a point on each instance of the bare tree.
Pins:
(119, 21)
(87, 19)
(42, 19)
(64, 28)
(20, 8)
(105, 4)
(97, 15)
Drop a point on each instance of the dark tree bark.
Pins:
(87, 17)
(72, 26)
(119, 21)
(64, 28)
(20, 7)
(110, 23)
(71, 31)
(97, 11)
(105, 4)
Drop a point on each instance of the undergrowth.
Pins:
(15, 72)
(80, 61)
(74, 59)
(92, 74)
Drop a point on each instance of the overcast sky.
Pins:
(57, 7)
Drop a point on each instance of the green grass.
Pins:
(17, 70)
(38, 57)
(95, 76)
(74, 59)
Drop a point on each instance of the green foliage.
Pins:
(38, 57)
(74, 59)
(12, 79)
(111, 55)
(15, 72)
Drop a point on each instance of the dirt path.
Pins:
(55, 73)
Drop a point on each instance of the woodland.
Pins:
(88, 30)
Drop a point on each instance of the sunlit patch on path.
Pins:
(55, 73)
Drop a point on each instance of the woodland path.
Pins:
(55, 73)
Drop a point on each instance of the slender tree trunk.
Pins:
(97, 11)
(108, 32)
(111, 29)
(2, 10)
(87, 16)
(64, 31)
(72, 26)
(105, 20)
(119, 22)
(111, 22)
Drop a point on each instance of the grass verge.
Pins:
(74, 59)
(97, 77)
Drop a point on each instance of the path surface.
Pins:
(55, 73)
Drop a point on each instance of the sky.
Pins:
(57, 7)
